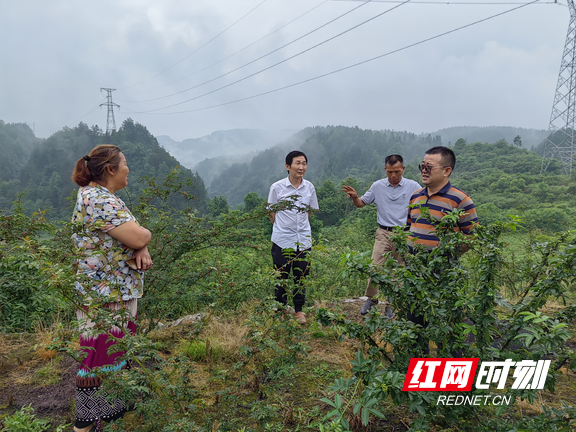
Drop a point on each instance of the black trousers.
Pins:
(287, 260)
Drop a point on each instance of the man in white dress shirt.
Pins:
(291, 233)
(391, 196)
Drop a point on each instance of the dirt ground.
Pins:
(48, 384)
(28, 378)
(30, 375)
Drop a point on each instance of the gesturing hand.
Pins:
(350, 191)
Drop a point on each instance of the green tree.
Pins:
(218, 205)
(251, 201)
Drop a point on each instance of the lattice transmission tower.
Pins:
(561, 141)
(110, 122)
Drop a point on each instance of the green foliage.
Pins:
(24, 299)
(456, 301)
(24, 420)
(198, 350)
(251, 201)
(218, 205)
(16, 143)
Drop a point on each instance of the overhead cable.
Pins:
(199, 48)
(280, 62)
(240, 50)
(259, 58)
(88, 113)
(346, 67)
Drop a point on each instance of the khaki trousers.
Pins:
(382, 247)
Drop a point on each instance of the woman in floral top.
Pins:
(113, 257)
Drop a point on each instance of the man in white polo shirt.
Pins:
(291, 233)
(391, 196)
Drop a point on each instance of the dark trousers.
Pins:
(296, 262)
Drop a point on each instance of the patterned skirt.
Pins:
(89, 407)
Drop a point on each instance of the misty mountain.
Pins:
(192, 151)
(16, 143)
(211, 168)
(334, 153)
(46, 173)
(338, 152)
(490, 134)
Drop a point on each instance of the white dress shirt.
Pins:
(292, 227)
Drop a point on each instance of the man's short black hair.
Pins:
(294, 153)
(448, 156)
(393, 160)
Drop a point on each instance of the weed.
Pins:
(199, 350)
(25, 420)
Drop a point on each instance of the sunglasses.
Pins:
(428, 168)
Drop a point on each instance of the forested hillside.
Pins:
(45, 175)
(334, 152)
(16, 143)
(212, 167)
(529, 138)
(501, 177)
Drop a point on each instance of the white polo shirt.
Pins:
(391, 201)
(292, 226)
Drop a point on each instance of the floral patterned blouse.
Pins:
(104, 259)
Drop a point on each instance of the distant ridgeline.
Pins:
(334, 152)
(43, 167)
(502, 178)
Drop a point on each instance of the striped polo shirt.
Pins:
(423, 231)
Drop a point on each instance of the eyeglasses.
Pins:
(428, 168)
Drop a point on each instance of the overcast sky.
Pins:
(56, 55)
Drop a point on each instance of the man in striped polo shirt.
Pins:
(440, 197)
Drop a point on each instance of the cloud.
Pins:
(56, 55)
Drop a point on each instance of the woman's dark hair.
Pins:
(92, 167)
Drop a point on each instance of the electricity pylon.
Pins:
(561, 141)
(110, 122)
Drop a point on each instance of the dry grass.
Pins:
(226, 333)
(44, 337)
(21, 363)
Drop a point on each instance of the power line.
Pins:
(282, 61)
(198, 49)
(347, 67)
(242, 49)
(253, 61)
(90, 112)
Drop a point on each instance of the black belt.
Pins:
(387, 228)
(392, 228)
